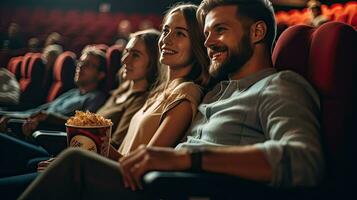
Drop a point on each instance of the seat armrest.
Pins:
(15, 126)
(186, 185)
(53, 141)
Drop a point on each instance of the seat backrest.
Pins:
(113, 65)
(326, 57)
(14, 66)
(24, 65)
(353, 20)
(31, 80)
(63, 75)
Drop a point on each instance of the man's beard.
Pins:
(233, 63)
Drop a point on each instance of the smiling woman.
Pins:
(174, 102)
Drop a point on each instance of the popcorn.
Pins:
(88, 119)
(89, 131)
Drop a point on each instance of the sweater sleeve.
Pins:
(289, 109)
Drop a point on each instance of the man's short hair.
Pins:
(53, 49)
(94, 51)
(250, 9)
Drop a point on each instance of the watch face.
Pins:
(83, 142)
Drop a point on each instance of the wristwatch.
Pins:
(196, 160)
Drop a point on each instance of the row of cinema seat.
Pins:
(346, 13)
(78, 28)
(34, 85)
(35, 89)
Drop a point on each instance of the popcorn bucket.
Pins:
(92, 138)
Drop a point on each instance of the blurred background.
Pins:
(80, 22)
(42, 38)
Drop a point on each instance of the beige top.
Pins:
(147, 120)
(120, 109)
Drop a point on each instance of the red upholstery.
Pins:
(342, 18)
(327, 58)
(353, 20)
(24, 65)
(14, 66)
(113, 61)
(63, 73)
(31, 80)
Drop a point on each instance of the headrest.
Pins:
(24, 65)
(324, 55)
(35, 67)
(64, 66)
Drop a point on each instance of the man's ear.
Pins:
(258, 31)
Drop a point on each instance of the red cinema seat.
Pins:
(31, 80)
(24, 65)
(353, 21)
(114, 54)
(14, 66)
(326, 57)
(63, 73)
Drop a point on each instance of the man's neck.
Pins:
(87, 88)
(260, 60)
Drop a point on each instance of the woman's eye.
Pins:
(136, 55)
(180, 34)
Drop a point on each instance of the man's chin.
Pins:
(215, 70)
(80, 83)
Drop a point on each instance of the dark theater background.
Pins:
(83, 22)
(321, 54)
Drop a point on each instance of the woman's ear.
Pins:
(258, 31)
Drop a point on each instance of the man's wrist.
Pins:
(182, 160)
(196, 156)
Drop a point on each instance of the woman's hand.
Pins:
(145, 159)
(41, 166)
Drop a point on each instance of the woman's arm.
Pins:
(173, 126)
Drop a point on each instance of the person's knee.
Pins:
(72, 154)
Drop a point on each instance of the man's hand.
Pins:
(40, 116)
(145, 159)
(31, 123)
(29, 126)
(3, 124)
